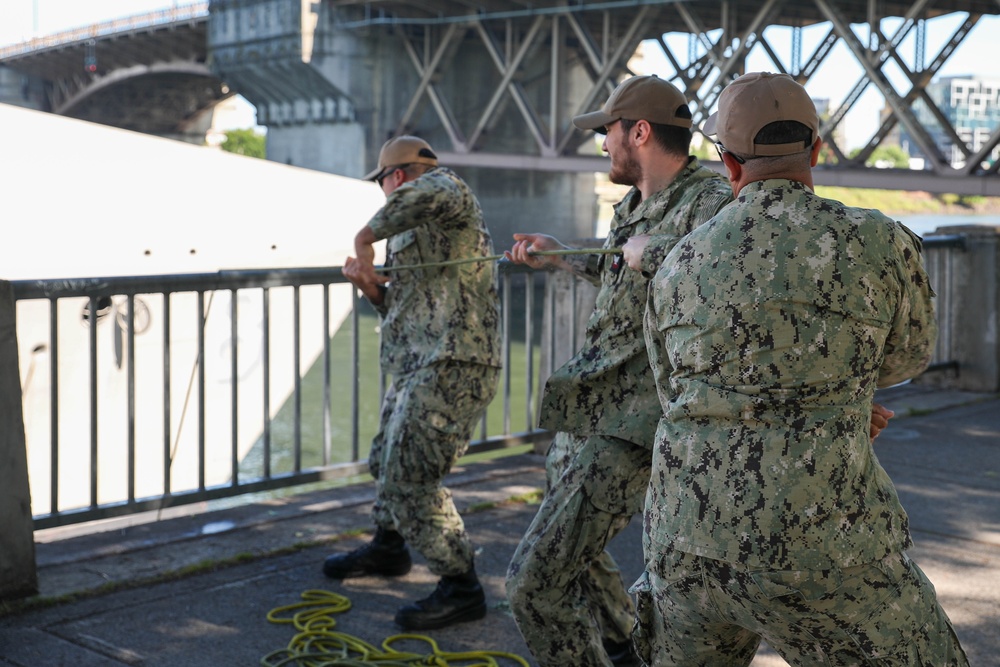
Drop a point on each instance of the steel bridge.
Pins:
(498, 81)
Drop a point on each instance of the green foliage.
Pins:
(890, 202)
(245, 142)
(826, 155)
(704, 151)
(901, 202)
(971, 202)
(369, 397)
(885, 156)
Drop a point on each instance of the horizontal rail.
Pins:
(116, 26)
(235, 391)
(253, 342)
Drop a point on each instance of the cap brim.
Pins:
(709, 126)
(372, 176)
(596, 121)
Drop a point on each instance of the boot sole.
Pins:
(476, 613)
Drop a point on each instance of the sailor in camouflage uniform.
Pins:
(565, 590)
(441, 344)
(768, 514)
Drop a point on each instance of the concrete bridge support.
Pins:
(331, 94)
(968, 289)
(18, 577)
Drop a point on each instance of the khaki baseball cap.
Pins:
(755, 100)
(404, 149)
(648, 98)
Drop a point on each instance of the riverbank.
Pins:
(901, 202)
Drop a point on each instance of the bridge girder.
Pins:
(534, 47)
(152, 79)
(604, 37)
(161, 99)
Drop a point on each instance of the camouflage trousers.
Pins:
(565, 591)
(427, 419)
(696, 611)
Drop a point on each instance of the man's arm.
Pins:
(645, 253)
(525, 244)
(361, 270)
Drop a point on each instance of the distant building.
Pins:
(972, 106)
(823, 110)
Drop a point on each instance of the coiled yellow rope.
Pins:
(317, 644)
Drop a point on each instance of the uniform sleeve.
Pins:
(660, 245)
(587, 267)
(656, 348)
(432, 197)
(913, 330)
(380, 308)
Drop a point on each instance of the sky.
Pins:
(21, 20)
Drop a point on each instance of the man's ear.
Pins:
(734, 171)
(814, 158)
(641, 132)
(399, 177)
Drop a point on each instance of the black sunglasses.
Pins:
(389, 171)
(722, 149)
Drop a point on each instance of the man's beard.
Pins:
(627, 171)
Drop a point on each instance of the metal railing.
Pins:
(166, 16)
(942, 255)
(110, 431)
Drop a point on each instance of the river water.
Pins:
(926, 224)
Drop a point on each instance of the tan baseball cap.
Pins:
(404, 149)
(755, 100)
(648, 98)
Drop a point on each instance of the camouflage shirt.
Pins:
(769, 329)
(607, 387)
(434, 314)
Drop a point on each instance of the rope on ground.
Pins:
(493, 258)
(317, 644)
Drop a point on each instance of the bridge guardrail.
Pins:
(99, 413)
(116, 26)
(188, 405)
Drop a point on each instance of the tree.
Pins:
(245, 142)
(885, 157)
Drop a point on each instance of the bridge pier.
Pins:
(330, 95)
(968, 299)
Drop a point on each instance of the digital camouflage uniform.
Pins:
(565, 591)
(441, 344)
(769, 329)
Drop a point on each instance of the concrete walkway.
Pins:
(195, 588)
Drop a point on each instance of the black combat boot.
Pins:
(456, 599)
(386, 554)
(622, 654)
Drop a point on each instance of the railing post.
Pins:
(18, 576)
(569, 301)
(973, 300)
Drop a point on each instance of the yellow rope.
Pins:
(316, 644)
(492, 258)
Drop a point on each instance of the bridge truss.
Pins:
(546, 60)
(600, 38)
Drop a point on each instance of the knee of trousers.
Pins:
(526, 581)
(518, 591)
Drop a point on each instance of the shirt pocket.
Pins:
(403, 248)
